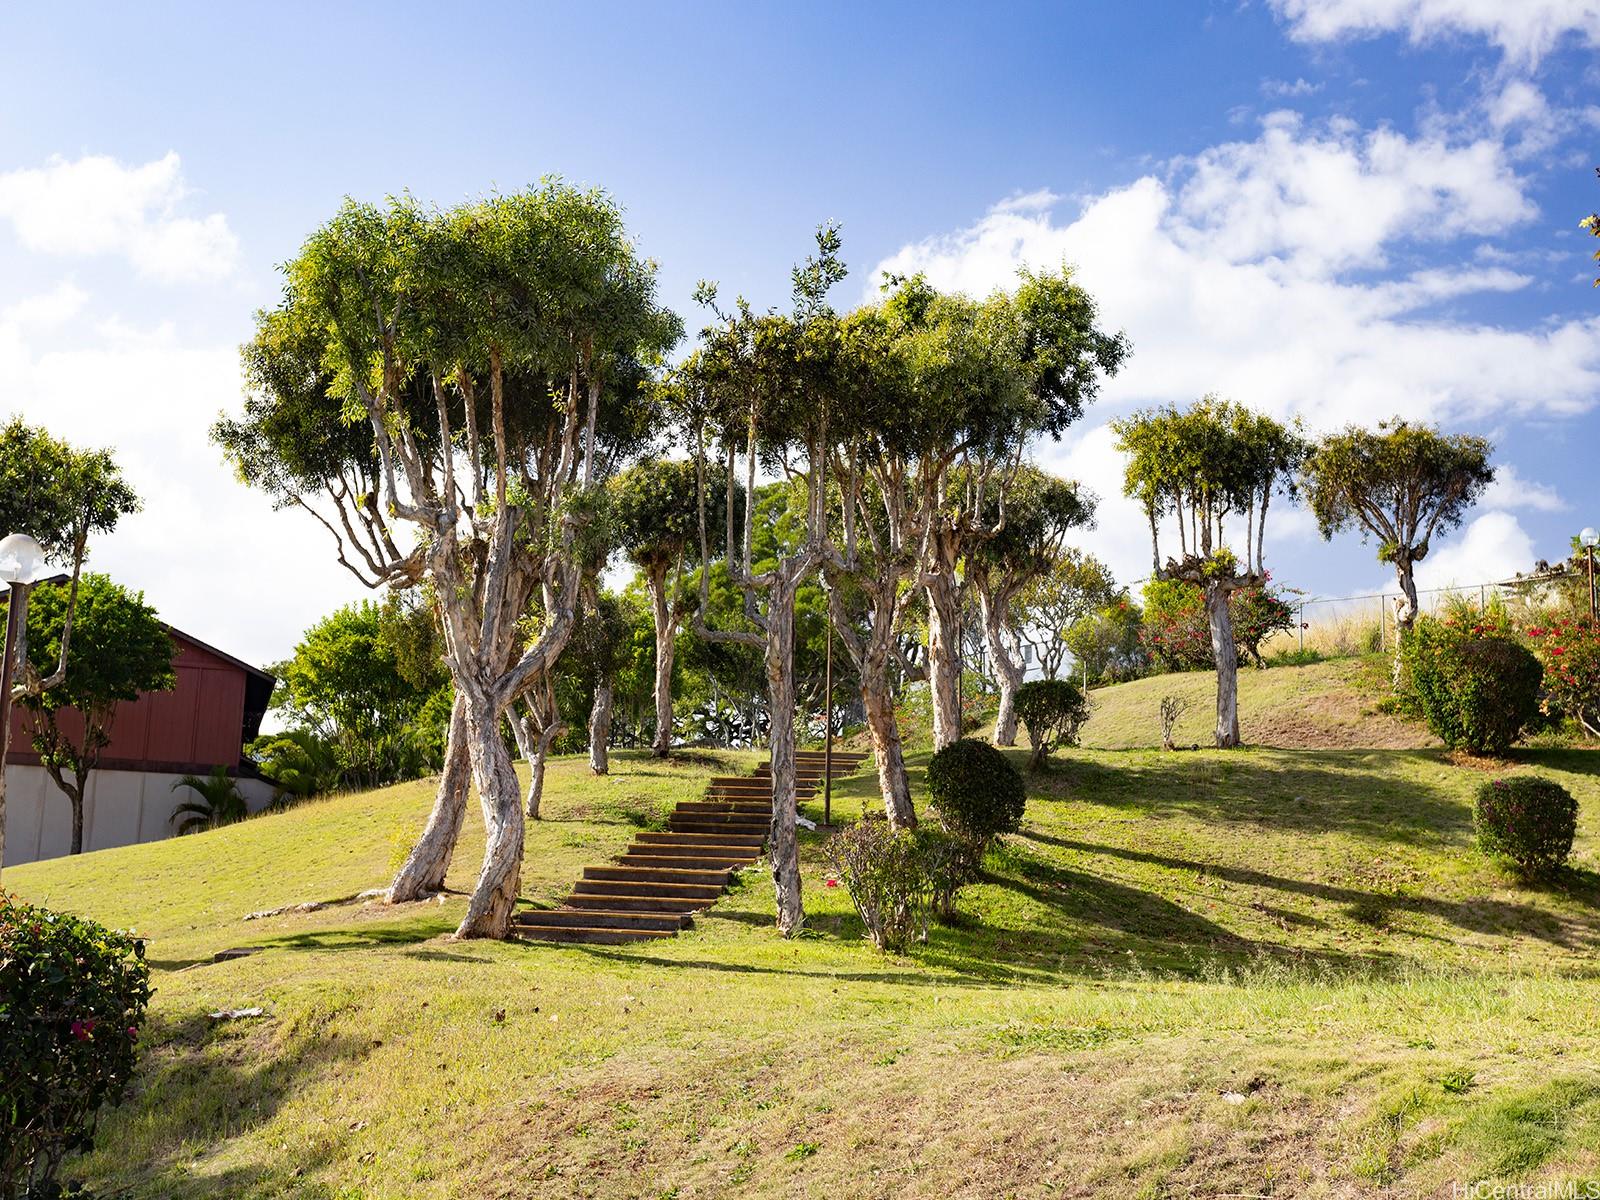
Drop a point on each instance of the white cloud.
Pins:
(1524, 30)
(48, 310)
(95, 205)
(1510, 490)
(1492, 547)
(210, 555)
(1283, 88)
(1247, 272)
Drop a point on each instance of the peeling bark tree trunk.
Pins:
(1405, 614)
(499, 882)
(666, 645)
(944, 658)
(782, 842)
(425, 868)
(600, 729)
(1007, 671)
(887, 751)
(1227, 658)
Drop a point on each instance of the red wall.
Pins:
(194, 727)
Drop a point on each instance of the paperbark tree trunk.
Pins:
(1405, 612)
(1007, 671)
(878, 702)
(600, 729)
(424, 870)
(666, 646)
(944, 658)
(782, 841)
(495, 895)
(1227, 657)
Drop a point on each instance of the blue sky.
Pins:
(1336, 209)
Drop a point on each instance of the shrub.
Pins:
(977, 792)
(1258, 613)
(886, 873)
(72, 1000)
(1053, 710)
(1529, 820)
(948, 864)
(1172, 710)
(1177, 630)
(1570, 651)
(1477, 689)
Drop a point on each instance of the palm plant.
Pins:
(219, 802)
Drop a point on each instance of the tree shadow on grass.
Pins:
(1477, 915)
(199, 1087)
(1310, 791)
(910, 978)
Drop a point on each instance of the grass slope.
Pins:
(1266, 972)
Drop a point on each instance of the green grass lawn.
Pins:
(1262, 972)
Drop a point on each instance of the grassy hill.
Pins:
(1265, 972)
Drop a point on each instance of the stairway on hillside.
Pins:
(664, 878)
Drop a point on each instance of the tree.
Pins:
(120, 650)
(1107, 643)
(1053, 710)
(1031, 520)
(1077, 585)
(655, 509)
(346, 683)
(217, 801)
(1020, 365)
(59, 496)
(1402, 484)
(496, 352)
(768, 386)
(1200, 466)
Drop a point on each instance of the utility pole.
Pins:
(1589, 537)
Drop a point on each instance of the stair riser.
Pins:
(701, 877)
(713, 827)
(661, 862)
(554, 918)
(738, 841)
(690, 893)
(596, 937)
(690, 849)
(643, 904)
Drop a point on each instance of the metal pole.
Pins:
(1594, 599)
(1302, 626)
(827, 716)
(1383, 629)
(16, 623)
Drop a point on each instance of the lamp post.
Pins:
(21, 566)
(1590, 539)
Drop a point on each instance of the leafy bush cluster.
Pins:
(897, 878)
(1478, 687)
(72, 1001)
(1176, 633)
(1570, 652)
(1529, 820)
(1053, 710)
(976, 791)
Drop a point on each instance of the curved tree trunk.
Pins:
(666, 645)
(1227, 657)
(600, 729)
(424, 870)
(1007, 671)
(944, 658)
(888, 752)
(495, 895)
(782, 843)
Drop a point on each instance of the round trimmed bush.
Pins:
(72, 1000)
(1053, 710)
(977, 792)
(1478, 691)
(1529, 820)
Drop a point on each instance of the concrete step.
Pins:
(595, 918)
(595, 937)
(716, 877)
(628, 885)
(605, 902)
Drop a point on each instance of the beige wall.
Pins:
(122, 807)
